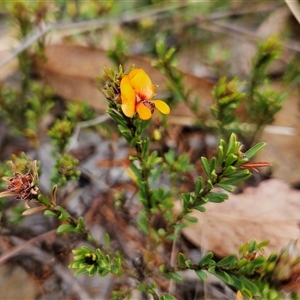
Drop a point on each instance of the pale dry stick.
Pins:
(294, 7)
(88, 25)
(174, 251)
(85, 124)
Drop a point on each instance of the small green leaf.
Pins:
(170, 53)
(255, 149)
(107, 240)
(188, 263)
(237, 282)
(231, 144)
(143, 191)
(239, 173)
(200, 208)
(246, 293)
(198, 185)
(135, 170)
(114, 270)
(49, 213)
(210, 185)
(143, 224)
(125, 132)
(230, 159)
(64, 215)
(201, 274)
(224, 276)
(180, 258)
(174, 276)
(212, 164)
(170, 157)
(191, 219)
(80, 272)
(229, 170)
(145, 148)
(92, 270)
(119, 119)
(252, 246)
(253, 288)
(206, 167)
(262, 244)
(234, 180)
(65, 228)
(217, 197)
(242, 262)
(206, 259)
(172, 237)
(226, 260)
(220, 155)
(226, 187)
(185, 201)
(156, 172)
(80, 224)
(162, 268)
(255, 263)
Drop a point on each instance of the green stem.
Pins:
(198, 200)
(195, 267)
(145, 171)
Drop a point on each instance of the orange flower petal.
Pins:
(128, 97)
(162, 106)
(142, 84)
(143, 111)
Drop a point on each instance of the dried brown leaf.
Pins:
(270, 211)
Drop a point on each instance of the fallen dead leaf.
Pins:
(270, 211)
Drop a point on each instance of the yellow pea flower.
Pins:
(137, 92)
